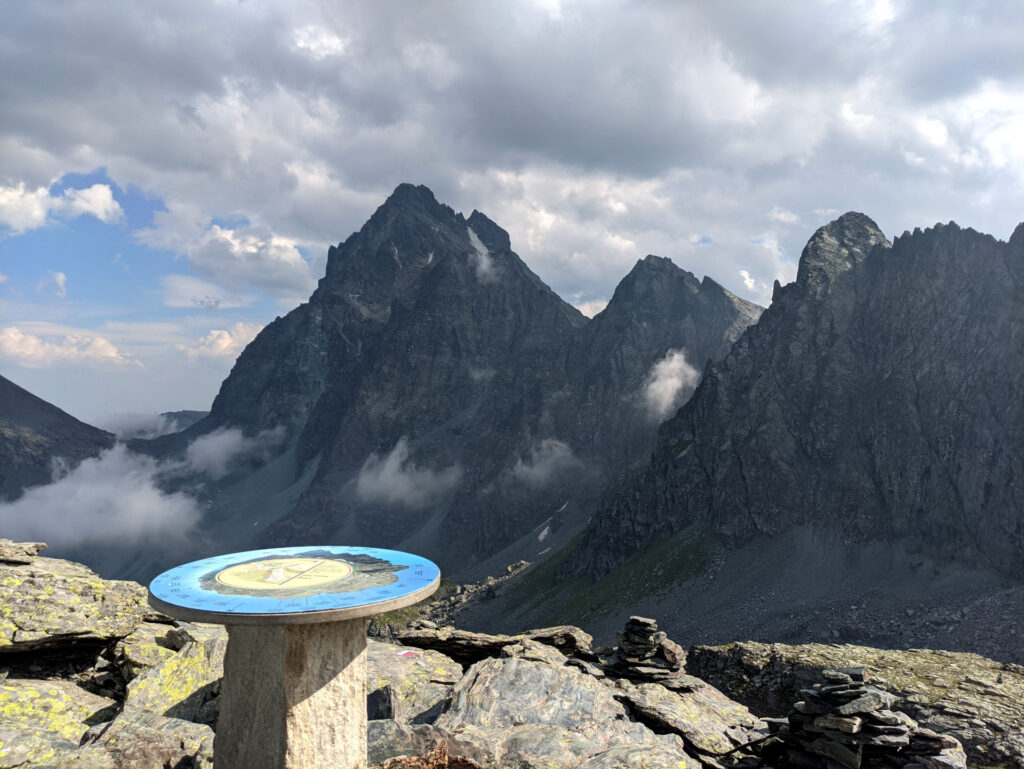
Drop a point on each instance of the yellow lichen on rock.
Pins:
(49, 600)
(38, 717)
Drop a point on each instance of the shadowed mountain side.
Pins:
(435, 394)
(878, 399)
(33, 433)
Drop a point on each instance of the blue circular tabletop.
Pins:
(293, 585)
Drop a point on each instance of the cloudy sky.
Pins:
(171, 174)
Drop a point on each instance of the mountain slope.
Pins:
(850, 471)
(878, 398)
(33, 433)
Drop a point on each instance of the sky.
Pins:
(171, 174)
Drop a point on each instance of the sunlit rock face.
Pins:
(879, 398)
(435, 394)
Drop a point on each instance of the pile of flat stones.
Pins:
(645, 653)
(847, 722)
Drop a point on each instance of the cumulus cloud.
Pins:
(318, 42)
(593, 307)
(223, 342)
(670, 382)
(299, 118)
(22, 208)
(232, 257)
(395, 480)
(549, 461)
(34, 352)
(110, 499)
(217, 453)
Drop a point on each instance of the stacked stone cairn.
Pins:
(645, 653)
(847, 722)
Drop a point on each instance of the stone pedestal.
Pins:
(293, 694)
(293, 697)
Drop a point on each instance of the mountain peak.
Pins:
(414, 194)
(835, 248)
(490, 234)
(415, 203)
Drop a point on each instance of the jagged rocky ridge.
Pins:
(879, 398)
(435, 395)
(34, 433)
(144, 693)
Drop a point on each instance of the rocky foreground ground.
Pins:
(91, 678)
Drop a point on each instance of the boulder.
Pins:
(978, 701)
(19, 552)
(50, 602)
(531, 713)
(184, 686)
(140, 740)
(707, 720)
(407, 684)
(41, 716)
(640, 757)
(467, 648)
(143, 648)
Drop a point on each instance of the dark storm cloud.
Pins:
(594, 133)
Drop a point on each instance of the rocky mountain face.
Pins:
(435, 394)
(880, 398)
(33, 433)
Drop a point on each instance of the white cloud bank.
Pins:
(549, 461)
(217, 453)
(34, 352)
(670, 382)
(394, 480)
(116, 497)
(24, 209)
(113, 498)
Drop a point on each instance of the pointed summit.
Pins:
(835, 248)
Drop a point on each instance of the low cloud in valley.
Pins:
(110, 499)
(395, 480)
(549, 461)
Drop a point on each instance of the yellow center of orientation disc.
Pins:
(284, 573)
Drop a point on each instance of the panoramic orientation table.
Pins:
(294, 688)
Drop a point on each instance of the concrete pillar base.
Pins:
(287, 697)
